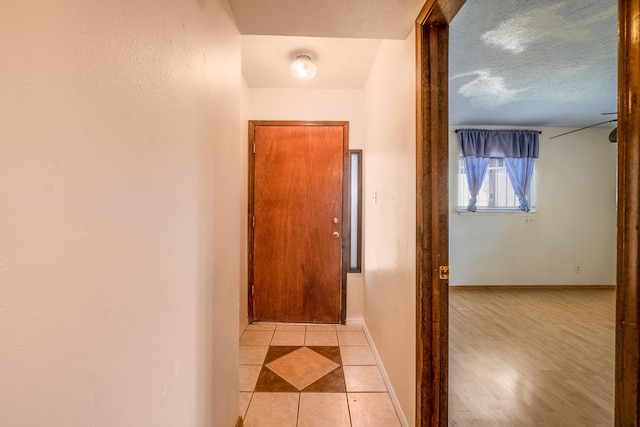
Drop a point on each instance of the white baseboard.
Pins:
(383, 372)
(354, 321)
(244, 325)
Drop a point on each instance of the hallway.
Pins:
(311, 375)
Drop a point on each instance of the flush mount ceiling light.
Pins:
(303, 68)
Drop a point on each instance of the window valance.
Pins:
(499, 143)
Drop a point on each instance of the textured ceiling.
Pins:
(512, 62)
(541, 63)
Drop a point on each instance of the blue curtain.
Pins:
(476, 169)
(519, 148)
(520, 171)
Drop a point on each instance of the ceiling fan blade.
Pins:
(606, 114)
(586, 127)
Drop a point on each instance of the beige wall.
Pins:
(389, 171)
(574, 223)
(120, 213)
(243, 295)
(316, 104)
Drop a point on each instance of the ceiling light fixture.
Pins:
(303, 68)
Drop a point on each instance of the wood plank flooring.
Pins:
(531, 357)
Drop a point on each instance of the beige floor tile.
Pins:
(372, 409)
(356, 327)
(244, 399)
(253, 354)
(321, 338)
(272, 410)
(302, 367)
(288, 337)
(248, 376)
(290, 327)
(352, 338)
(363, 378)
(357, 355)
(323, 410)
(315, 328)
(261, 327)
(256, 338)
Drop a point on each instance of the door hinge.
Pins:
(254, 148)
(253, 221)
(444, 272)
(252, 289)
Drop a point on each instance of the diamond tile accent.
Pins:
(302, 367)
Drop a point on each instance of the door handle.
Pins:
(335, 235)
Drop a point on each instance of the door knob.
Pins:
(336, 235)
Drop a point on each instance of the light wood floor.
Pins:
(531, 357)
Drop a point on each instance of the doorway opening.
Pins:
(432, 215)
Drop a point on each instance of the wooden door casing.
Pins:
(432, 214)
(297, 201)
(627, 371)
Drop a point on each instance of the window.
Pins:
(512, 156)
(496, 192)
(355, 211)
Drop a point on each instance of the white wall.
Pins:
(574, 223)
(389, 227)
(119, 218)
(314, 105)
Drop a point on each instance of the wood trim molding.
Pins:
(250, 208)
(346, 224)
(627, 372)
(432, 216)
(524, 287)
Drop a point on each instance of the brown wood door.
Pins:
(297, 222)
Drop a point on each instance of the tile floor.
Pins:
(311, 375)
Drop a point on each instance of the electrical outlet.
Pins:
(577, 269)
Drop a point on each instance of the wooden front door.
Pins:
(297, 221)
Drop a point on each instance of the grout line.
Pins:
(246, 411)
(392, 394)
(346, 395)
